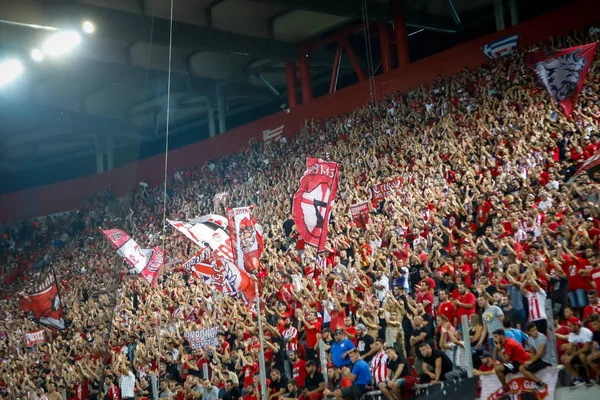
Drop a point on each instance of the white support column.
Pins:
(99, 154)
(514, 12)
(211, 122)
(499, 13)
(221, 109)
(110, 152)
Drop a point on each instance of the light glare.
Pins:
(61, 43)
(37, 55)
(88, 27)
(9, 70)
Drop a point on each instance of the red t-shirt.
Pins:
(337, 320)
(311, 334)
(249, 371)
(448, 310)
(515, 351)
(467, 298)
(299, 372)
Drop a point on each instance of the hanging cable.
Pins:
(370, 64)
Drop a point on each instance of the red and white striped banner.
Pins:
(271, 135)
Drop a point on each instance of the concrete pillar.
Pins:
(400, 33)
(110, 152)
(514, 12)
(211, 122)
(292, 83)
(499, 15)
(99, 154)
(384, 43)
(221, 109)
(305, 78)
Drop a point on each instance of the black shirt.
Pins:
(393, 366)
(447, 365)
(314, 382)
(364, 345)
(233, 394)
(281, 384)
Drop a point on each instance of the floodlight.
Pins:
(9, 70)
(37, 55)
(88, 27)
(61, 43)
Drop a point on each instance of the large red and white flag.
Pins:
(42, 303)
(152, 270)
(314, 200)
(129, 249)
(246, 238)
(221, 274)
(273, 135)
(209, 230)
(361, 214)
(563, 72)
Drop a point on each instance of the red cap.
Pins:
(575, 321)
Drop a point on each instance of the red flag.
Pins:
(152, 270)
(563, 72)
(380, 191)
(43, 303)
(360, 214)
(591, 166)
(314, 200)
(246, 239)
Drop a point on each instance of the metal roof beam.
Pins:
(128, 27)
(376, 11)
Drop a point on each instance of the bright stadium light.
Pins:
(88, 27)
(37, 55)
(9, 70)
(61, 43)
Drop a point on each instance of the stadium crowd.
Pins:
(484, 225)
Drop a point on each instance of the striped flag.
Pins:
(501, 47)
(273, 134)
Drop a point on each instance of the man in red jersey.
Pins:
(512, 356)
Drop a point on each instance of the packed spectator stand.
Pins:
(485, 225)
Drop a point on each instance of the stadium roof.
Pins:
(111, 90)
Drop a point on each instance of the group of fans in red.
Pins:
(487, 223)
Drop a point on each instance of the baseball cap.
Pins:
(361, 327)
(575, 321)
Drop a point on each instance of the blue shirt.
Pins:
(337, 350)
(363, 373)
(517, 335)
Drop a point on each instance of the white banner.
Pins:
(208, 230)
(202, 338)
(490, 385)
(35, 337)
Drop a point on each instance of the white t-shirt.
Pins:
(584, 336)
(537, 305)
(385, 282)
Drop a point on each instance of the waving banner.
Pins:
(221, 274)
(152, 270)
(521, 387)
(314, 200)
(382, 190)
(42, 302)
(563, 72)
(590, 167)
(209, 230)
(361, 214)
(246, 239)
(129, 249)
(35, 337)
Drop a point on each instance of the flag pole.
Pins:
(261, 356)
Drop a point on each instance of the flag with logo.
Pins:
(273, 135)
(502, 47)
(361, 214)
(246, 238)
(41, 301)
(221, 274)
(128, 248)
(210, 230)
(563, 72)
(313, 201)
